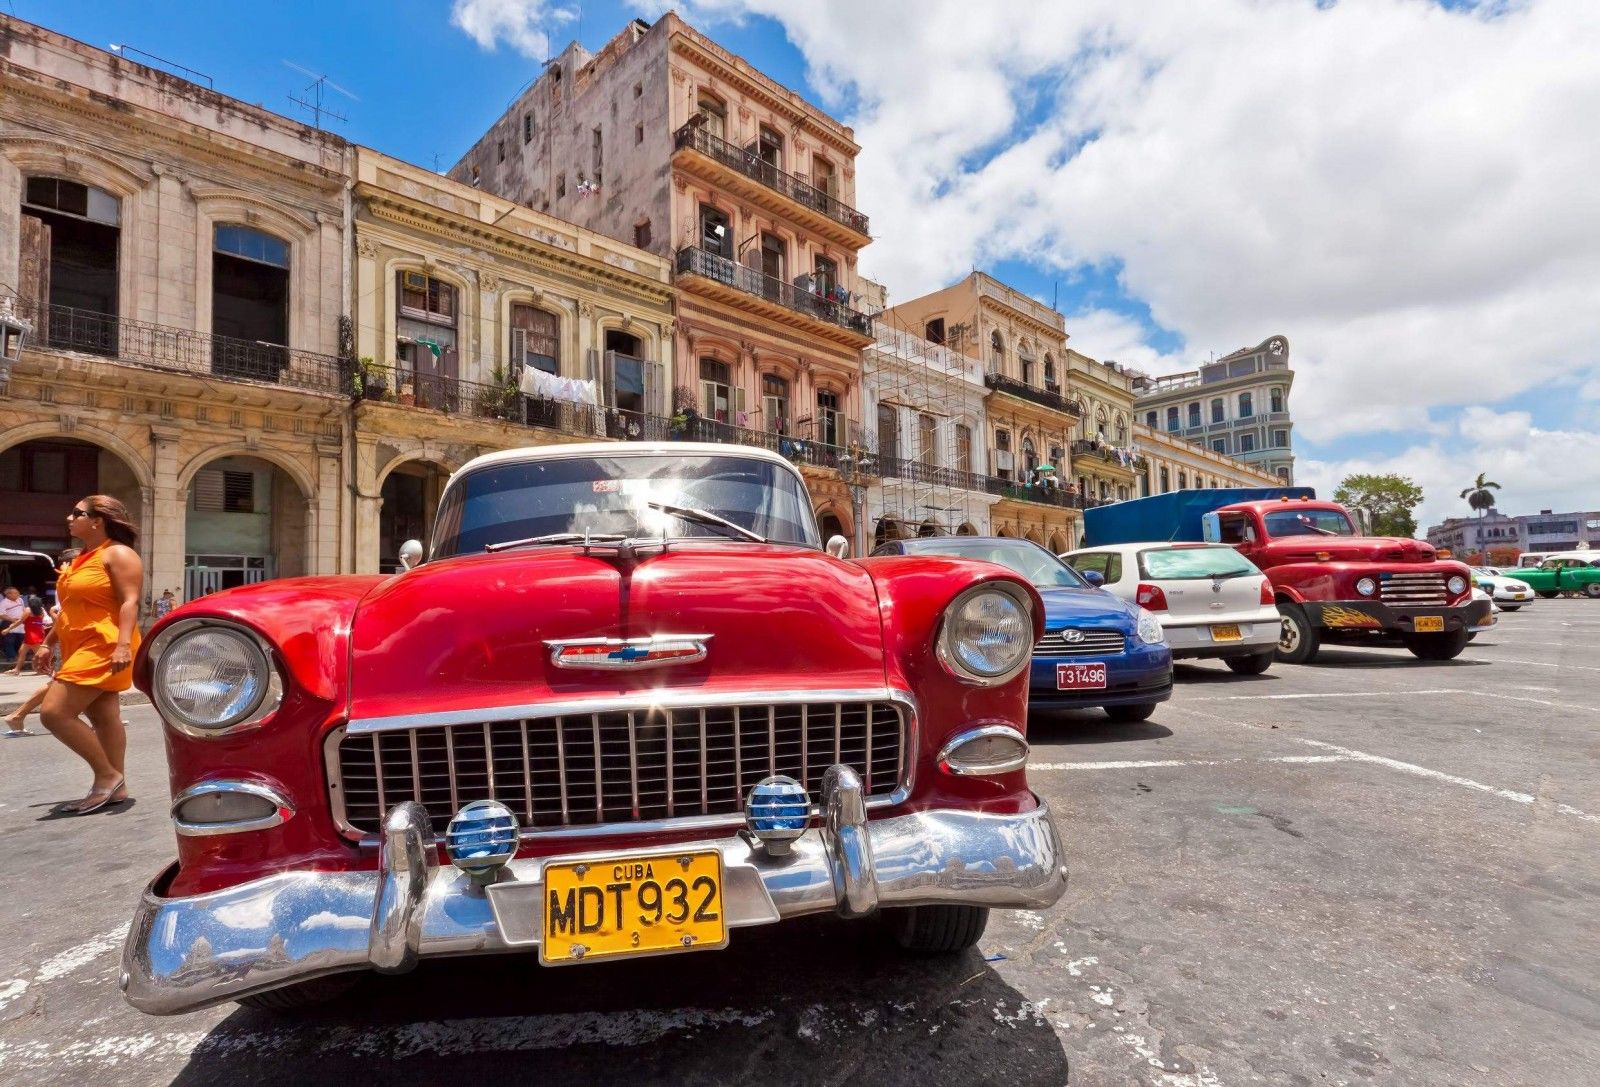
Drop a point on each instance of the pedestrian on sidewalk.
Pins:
(12, 609)
(33, 624)
(44, 659)
(98, 632)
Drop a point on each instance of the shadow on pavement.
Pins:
(1342, 657)
(810, 1001)
(1091, 727)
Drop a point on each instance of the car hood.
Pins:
(1350, 549)
(1081, 607)
(472, 632)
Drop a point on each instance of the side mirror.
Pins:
(1093, 577)
(410, 554)
(839, 547)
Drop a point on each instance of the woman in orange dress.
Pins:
(98, 632)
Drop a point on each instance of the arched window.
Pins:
(715, 114)
(1050, 381)
(1277, 400)
(427, 320)
(997, 351)
(1218, 410)
(1166, 481)
(1246, 405)
(1100, 423)
(249, 301)
(1172, 419)
(1025, 354)
(775, 403)
(70, 234)
(1122, 429)
(1030, 459)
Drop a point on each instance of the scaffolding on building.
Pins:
(929, 487)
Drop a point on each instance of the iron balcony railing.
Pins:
(752, 165)
(694, 261)
(63, 328)
(1001, 383)
(934, 475)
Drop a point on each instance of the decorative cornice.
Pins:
(802, 117)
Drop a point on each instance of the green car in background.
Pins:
(1572, 572)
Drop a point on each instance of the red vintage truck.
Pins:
(1333, 584)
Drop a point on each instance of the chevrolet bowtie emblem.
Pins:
(628, 653)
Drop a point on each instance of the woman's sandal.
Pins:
(90, 803)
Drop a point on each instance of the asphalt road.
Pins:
(1369, 870)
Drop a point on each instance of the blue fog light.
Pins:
(776, 811)
(482, 837)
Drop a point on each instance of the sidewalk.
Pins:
(14, 691)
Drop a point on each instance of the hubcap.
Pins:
(1289, 639)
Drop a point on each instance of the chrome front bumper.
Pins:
(188, 953)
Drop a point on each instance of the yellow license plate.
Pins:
(1225, 632)
(632, 905)
(1428, 623)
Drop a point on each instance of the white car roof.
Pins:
(1130, 548)
(579, 450)
(1581, 556)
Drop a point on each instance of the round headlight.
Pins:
(1150, 631)
(1457, 585)
(987, 636)
(212, 678)
(1366, 586)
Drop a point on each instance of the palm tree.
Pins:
(1480, 496)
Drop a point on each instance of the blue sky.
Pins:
(1181, 179)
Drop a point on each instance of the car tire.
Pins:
(1300, 640)
(1438, 647)
(1548, 594)
(1592, 590)
(1510, 607)
(937, 930)
(1129, 715)
(305, 994)
(1253, 665)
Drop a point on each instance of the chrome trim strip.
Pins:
(658, 699)
(696, 643)
(282, 810)
(258, 714)
(961, 739)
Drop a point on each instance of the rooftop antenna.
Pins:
(315, 89)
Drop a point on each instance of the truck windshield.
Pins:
(1309, 523)
(1193, 563)
(609, 495)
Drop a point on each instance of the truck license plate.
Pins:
(1226, 632)
(1425, 624)
(641, 905)
(1084, 676)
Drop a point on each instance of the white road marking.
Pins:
(1546, 664)
(1450, 779)
(1323, 694)
(1149, 764)
(58, 966)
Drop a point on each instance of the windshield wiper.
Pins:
(1231, 574)
(708, 519)
(556, 538)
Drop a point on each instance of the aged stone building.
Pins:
(1031, 417)
(181, 257)
(458, 293)
(666, 140)
(1105, 460)
(1169, 463)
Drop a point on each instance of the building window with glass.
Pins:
(1219, 445)
(1218, 411)
(1166, 481)
(1280, 439)
(827, 417)
(716, 391)
(1247, 443)
(963, 447)
(1172, 419)
(927, 439)
(775, 403)
(997, 351)
(1151, 420)
(1246, 405)
(1277, 399)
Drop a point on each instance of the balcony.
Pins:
(1088, 447)
(719, 277)
(1000, 383)
(179, 350)
(505, 403)
(818, 208)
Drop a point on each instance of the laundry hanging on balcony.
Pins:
(545, 386)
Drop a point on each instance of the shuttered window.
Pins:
(221, 491)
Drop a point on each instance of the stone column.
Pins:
(366, 504)
(165, 524)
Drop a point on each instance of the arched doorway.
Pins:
(40, 479)
(1004, 533)
(888, 529)
(1058, 544)
(1032, 536)
(246, 522)
(928, 528)
(831, 526)
(410, 500)
(967, 529)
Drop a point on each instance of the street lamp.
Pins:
(13, 331)
(853, 471)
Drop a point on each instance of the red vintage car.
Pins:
(629, 704)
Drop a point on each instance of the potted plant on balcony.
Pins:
(370, 381)
(408, 394)
(502, 397)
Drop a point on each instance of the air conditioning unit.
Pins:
(414, 281)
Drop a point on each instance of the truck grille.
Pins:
(590, 769)
(1095, 643)
(1424, 589)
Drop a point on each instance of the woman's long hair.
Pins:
(115, 516)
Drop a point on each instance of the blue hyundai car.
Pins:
(1097, 650)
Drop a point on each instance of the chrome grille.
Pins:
(1095, 643)
(1424, 589)
(591, 769)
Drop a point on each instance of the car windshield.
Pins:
(1042, 569)
(1192, 563)
(522, 500)
(1309, 523)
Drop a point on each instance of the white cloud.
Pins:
(1405, 192)
(1108, 335)
(521, 24)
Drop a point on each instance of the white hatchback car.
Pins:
(1211, 600)
(1508, 592)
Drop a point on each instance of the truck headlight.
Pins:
(987, 636)
(1366, 586)
(1150, 632)
(210, 678)
(1457, 585)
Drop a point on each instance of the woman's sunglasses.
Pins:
(77, 513)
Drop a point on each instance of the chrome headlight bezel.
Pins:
(1149, 628)
(1457, 585)
(251, 716)
(952, 661)
(950, 756)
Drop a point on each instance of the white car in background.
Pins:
(1506, 591)
(1211, 600)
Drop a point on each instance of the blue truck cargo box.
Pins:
(1171, 516)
